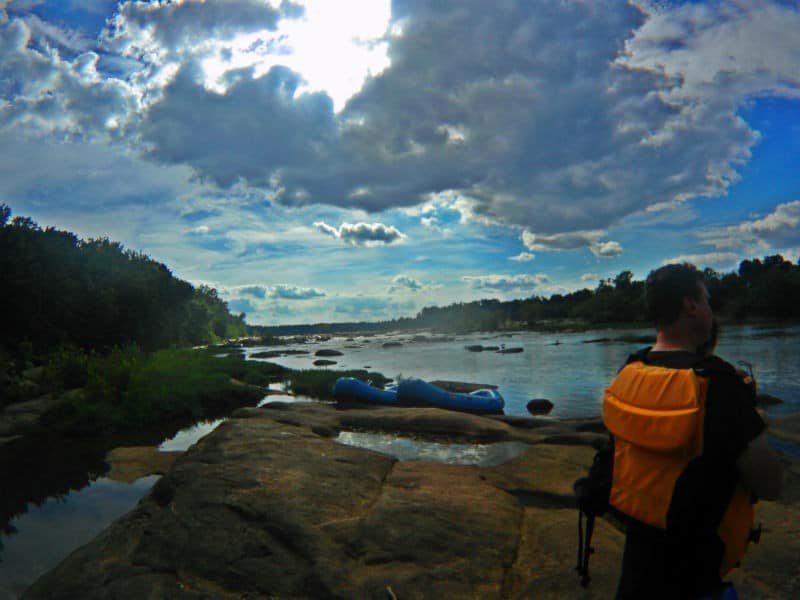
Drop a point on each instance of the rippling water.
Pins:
(570, 369)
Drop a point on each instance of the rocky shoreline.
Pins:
(270, 505)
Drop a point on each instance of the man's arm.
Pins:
(761, 469)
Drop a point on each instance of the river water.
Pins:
(70, 500)
(569, 369)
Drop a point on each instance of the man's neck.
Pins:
(667, 341)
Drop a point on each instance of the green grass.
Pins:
(318, 383)
(128, 389)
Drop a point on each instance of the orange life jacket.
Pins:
(656, 416)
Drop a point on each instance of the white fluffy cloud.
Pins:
(293, 292)
(709, 259)
(506, 283)
(362, 234)
(571, 241)
(405, 283)
(522, 257)
(776, 230)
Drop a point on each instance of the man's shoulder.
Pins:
(716, 368)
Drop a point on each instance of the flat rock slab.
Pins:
(270, 506)
(129, 463)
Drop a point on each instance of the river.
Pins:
(62, 498)
(569, 369)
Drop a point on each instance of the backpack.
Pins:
(592, 497)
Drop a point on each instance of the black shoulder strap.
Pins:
(638, 356)
(584, 546)
(713, 364)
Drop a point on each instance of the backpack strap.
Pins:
(584, 546)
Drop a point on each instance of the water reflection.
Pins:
(402, 448)
(189, 436)
(58, 525)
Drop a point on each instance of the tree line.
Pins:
(758, 289)
(59, 290)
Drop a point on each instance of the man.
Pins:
(690, 451)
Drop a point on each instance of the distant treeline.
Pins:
(58, 290)
(759, 289)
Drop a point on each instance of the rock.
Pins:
(269, 506)
(515, 350)
(479, 348)
(786, 428)
(267, 354)
(539, 406)
(323, 362)
(327, 352)
(134, 462)
(392, 344)
(34, 374)
(264, 507)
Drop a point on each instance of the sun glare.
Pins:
(334, 46)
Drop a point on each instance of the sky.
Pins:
(358, 160)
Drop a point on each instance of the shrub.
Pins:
(318, 383)
(68, 368)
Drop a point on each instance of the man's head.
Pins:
(676, 293)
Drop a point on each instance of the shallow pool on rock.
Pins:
(403, 448)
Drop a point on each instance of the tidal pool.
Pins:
(404, 448)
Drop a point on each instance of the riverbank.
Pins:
(271, 505)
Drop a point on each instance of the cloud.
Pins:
(708, 259)
(362, 234)
(257, 291)
(606, 249)
(160, 30)
(505, 282)
(42, 92)
(571, 241)
(587, 277)
(404, 283)
(200, 230)
(647, 110)
(778, 229)
(522, 257)
(241, 305)
(292, 292)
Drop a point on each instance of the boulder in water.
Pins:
(539, 406)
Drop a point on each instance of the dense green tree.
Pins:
(95, 294)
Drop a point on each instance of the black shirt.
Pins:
(683, 561)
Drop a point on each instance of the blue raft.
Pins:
(415, 392)
(350, 389)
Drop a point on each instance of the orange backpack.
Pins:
(656, 416)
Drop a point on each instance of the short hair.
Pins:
(665, 289)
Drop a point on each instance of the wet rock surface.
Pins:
(270, 506)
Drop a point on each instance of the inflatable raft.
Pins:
(349, 389)
(415, 392)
